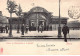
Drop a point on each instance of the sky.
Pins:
(49, 5)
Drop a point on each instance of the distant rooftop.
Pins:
(57, 17)
(38, 9)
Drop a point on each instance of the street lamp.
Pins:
(59, 28)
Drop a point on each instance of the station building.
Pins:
(37, 16)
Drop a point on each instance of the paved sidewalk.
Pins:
(30, 33)
(47, 34)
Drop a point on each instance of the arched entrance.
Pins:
(36, 17)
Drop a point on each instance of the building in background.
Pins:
(39, 16)
(3, 20)
(74, 25)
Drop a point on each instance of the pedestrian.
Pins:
(22, 29)
(38, 29)
(6, 27)
(1, 29)
(41, 28)
(27, 28)
(65, 31)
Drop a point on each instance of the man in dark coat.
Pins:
(41, 28)
(6, 27)
(22, 29)
(65, 31)
(27, 28)
(1, 29)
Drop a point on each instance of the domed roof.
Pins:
(38, 9)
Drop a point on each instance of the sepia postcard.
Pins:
(39, 27)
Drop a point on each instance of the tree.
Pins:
(18, 13)
(11, 7)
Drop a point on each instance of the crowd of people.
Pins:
(24, 29)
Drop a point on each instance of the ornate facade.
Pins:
(39, 16)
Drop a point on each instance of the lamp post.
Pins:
(59, 28)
